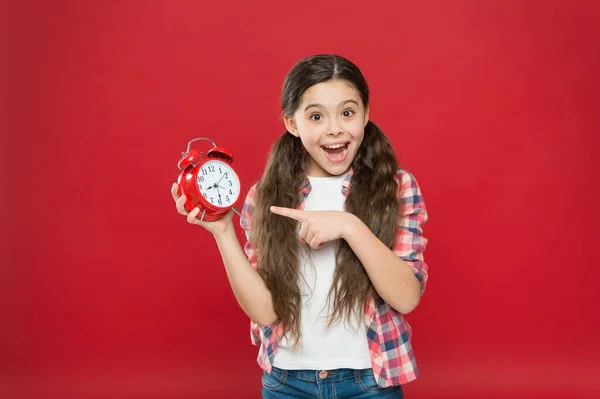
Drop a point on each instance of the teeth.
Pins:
(333, 147)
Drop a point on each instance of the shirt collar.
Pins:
(304, 186)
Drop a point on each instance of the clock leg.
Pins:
(203, 213)
(237, 211)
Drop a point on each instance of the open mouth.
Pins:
(336, 153)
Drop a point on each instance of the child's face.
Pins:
(331, 113)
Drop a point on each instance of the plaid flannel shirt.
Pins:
(388, 333)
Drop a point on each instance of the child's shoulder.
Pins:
(251, 193)
(406, 178)
(248, 207)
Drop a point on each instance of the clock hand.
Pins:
(213, 186)
(217, 183)
(218, 192)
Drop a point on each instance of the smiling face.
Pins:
(330, 122)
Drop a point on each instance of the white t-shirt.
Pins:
(340, 346)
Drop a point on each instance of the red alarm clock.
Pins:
(209, 183)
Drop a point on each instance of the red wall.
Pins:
(106, 292)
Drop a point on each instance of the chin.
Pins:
(335, 170)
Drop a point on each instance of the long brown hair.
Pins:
(372, 198)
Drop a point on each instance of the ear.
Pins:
(290, 125)
(366, 116)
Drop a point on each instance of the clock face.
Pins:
(218, 183)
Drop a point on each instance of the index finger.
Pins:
(289, 212)
(174, 192)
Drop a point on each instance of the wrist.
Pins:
(222, 234)
(351, 227)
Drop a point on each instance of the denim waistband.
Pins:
(320, 376)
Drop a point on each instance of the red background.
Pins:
(106, 292)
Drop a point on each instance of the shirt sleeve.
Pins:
(410, 242)
(246, 224)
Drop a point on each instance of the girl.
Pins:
(334, 251)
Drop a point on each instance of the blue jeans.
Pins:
(340, 383)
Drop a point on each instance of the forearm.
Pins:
(248, 287)
(393, 278)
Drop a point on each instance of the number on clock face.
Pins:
(218, 183)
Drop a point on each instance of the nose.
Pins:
(335, 128)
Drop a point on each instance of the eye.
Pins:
(316, 117)
(348, 113)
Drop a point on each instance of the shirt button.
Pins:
(376, 354)
(323, 374)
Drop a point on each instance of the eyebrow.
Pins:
(342, 103)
